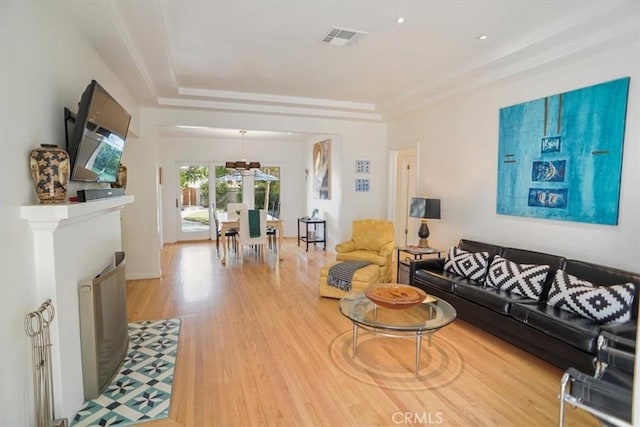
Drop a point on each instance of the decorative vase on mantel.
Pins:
(121, 178)
(50, 173)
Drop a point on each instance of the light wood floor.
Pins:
(258, 347)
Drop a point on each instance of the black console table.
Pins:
(314, 231)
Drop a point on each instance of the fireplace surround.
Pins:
(72, 242)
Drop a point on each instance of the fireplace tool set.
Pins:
(36, 325)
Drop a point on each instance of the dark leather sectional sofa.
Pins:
(555, 335)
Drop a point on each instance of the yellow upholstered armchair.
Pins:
(371, 240)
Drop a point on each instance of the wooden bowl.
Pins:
(395, 296)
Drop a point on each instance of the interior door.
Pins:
(406, 227)
(194, 207)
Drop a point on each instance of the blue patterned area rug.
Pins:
(141, 391)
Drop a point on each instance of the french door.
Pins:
(264, 193)
(203, 188)
(195, 209)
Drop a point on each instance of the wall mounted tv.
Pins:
(96, 136)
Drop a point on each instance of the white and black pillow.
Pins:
(472, 265)
(522, 279)
(605, 304)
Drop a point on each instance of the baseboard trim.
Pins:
(141, 276)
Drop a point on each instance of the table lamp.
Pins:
(424, 209)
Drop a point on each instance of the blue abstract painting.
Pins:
(560, 157)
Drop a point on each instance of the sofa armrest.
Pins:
(432, 264)
(348, 246)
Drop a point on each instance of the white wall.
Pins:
(362, 142)
(45, 66)
(140, 221)
(458, 164)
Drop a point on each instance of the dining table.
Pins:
(228, 224)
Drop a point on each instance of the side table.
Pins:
(315, 231)
(411, 253)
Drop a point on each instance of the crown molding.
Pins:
(269, 109)
(276, 99)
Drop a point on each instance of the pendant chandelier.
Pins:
(242, 164)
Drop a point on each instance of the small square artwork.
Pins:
(550, 144)
(362, 166)
(362, 184)
(548, 171)
(548, 198)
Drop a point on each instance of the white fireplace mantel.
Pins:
(50, 217)
(71, 242)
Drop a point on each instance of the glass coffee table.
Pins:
(422, 319)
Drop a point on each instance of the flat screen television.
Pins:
(96, 135)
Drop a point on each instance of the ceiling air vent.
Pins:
(343, 37)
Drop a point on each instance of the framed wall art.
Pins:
(362, 166)
(560, 157)
(322, 169)
(362, 184)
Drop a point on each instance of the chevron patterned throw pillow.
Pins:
(472, 265)
(522, 279)
(605, 304)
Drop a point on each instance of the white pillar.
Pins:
(248, 185)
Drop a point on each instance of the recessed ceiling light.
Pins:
(483, 37)
(400, 20)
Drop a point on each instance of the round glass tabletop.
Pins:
(433, 313)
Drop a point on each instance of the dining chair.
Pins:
(230, 236)
(271, 237)
(232, 215)
(233, 209)
(253, 230)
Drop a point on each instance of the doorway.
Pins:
(195, 210)
(196, 205)
(406, 179)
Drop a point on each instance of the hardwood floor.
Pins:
(258, 347)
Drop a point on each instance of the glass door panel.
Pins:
(266, 194)
(193, 201)
(267, 190)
